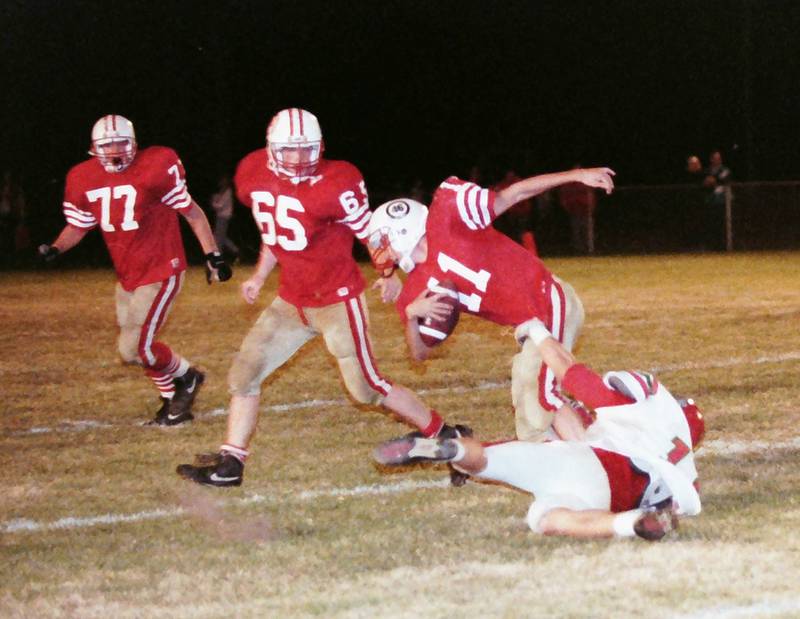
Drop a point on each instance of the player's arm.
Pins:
(217, 270)
(266, 262)
(69, 237)
(601, 178)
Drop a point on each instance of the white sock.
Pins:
(623, 523)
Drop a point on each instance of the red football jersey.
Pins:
(135, 209)
(497, 278)
(309, 226)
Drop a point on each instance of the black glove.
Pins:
(216, 268)
(48, 253)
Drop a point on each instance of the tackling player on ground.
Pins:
(135, 196)
(496, 278)
(632, 475)
(309, 210)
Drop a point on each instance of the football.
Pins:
(434, 332)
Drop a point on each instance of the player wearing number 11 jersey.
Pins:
(134, 196)
(308, 210)
(496, 279)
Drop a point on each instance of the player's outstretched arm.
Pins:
(69, 237)
(601, 178)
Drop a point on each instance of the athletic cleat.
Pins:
(186, 388)
(408, 450)
(225, 471)
(167, 417)
(654, 525)
(457, 478)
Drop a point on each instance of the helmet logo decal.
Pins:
(398, 209)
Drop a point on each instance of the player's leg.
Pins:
(538, 403)
(140, 315)
(278, 333)
(345, 329)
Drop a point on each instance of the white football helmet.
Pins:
(399, 224)
(294, 143)
(113, 142)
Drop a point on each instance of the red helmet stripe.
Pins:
(291, 123)
(114, 122)
(300, 118)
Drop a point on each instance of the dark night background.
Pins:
(405, 89)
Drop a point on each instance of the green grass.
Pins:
(289, 543)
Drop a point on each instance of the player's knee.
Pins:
(364, 393)
(244, 378)
(129, 350)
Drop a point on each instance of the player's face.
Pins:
(298, 156)
(114, 148)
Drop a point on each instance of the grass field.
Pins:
(95, 523)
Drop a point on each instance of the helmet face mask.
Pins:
(294, 143)
(113, 143)
(398, 226)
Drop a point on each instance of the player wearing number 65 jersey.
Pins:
(633, 474)
(308, 210)
(134, 196)
(496, 279)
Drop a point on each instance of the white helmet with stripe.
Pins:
(294, 143)
(400, 225)
(113, 142)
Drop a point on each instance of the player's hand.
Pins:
(601, 178)
(217, 270)
(390, 287)
(48, 253)
(251, 288)
(429, 305)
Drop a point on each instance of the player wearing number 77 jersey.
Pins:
(308, 210)
(496, 279)
(633, 474)
(134, 196)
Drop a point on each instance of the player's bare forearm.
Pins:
(556, 357)
(266, 262)
(198, 222)
(590, 523)
(68, 238)
(601, 178)
(416, 347)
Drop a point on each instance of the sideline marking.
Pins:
(764, 608)
(81, 426)
(19, 525)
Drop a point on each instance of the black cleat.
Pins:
(457, 478)
(165, 416)
(408, 450)
(186, 388)
(226, 470)
(655, 524)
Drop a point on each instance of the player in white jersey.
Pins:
(632, 474)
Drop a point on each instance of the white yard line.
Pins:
(764, 608)
(19, 525)
(84, 425)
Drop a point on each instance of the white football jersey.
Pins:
(653, 432)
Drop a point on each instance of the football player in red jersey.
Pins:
(632, 475)
(308, 210)
(497, 279)
(134, 196)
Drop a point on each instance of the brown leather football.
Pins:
(434, 332)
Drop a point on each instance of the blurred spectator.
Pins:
(418, 192)
(717, 181)
(14, 235)
(579, 201)
(222, 203)
(516, 221)
(694, 170)
(718, 178)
